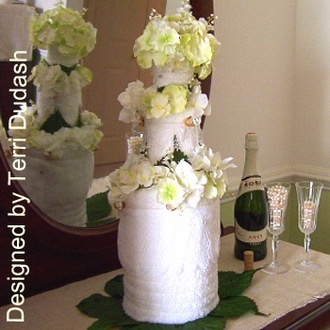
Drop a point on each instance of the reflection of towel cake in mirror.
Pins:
(60, 138)
(168, 191)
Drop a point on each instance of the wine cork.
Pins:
(248, 260)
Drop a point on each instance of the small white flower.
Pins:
(185, 174)
(144, 172)
(210, 191)
(131, 101)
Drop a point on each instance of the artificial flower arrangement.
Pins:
(84, 136)
(66, 29)
(179, 41)
(57, 123)
(180, 48)
(60, 138)
(159, 102)
(181, 180)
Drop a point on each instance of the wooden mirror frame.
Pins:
(59, 254)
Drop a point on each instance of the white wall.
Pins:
(42, 5)
(47, 4)
(252, 85)
(312, 93)
(172, 6)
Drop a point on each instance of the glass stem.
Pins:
(275, 247)
(307, 242)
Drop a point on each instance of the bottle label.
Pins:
(252, 237)
(250, 183)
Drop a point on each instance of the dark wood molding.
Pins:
(203, 8)
(315, 315)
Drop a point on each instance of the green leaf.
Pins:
(115, 287)
(79, 122)
(150, 326)
(101, 307)
(108, 309)
(65, 69)
(207, 323)
(54, 123)
(68, 69)
(179, 155)
(100, 222)
(235, 307)
(98, 207)
(234, 284)
(111, 315)
(101, 325)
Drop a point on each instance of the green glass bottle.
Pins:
(251, 208)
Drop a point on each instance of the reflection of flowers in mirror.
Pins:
(56, 123)
(65, 28)
(60, 137)
(86, 137)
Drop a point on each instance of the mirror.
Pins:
(44, 228)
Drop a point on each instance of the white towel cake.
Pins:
(170, 259)
(168, 193)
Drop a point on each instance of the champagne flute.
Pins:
(308, 194)
(277, 196)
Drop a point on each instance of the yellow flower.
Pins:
(159, 106)
(170, 192)
(177, 97)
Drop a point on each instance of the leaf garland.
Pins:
(65, 69)
(54, 123)
(110, 314)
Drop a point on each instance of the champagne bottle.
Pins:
(251, 208)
